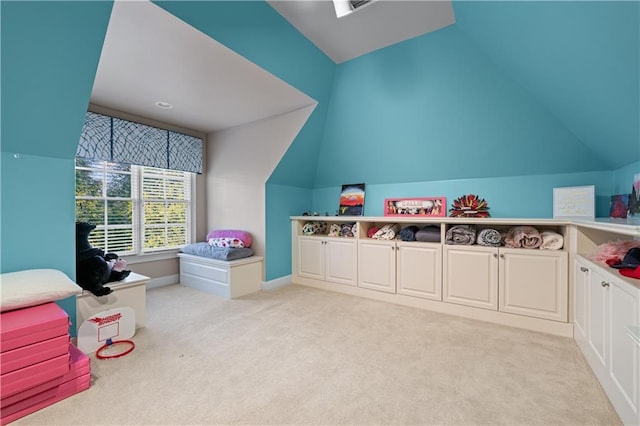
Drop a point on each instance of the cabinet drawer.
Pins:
(206, 271)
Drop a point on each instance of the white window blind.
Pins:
(166, 208)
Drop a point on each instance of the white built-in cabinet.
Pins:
(327, 259)
(471, 276)
(606, 312)
(409, 268)
(533, 283)
(419, 271)
(518, 281)
(492, 284)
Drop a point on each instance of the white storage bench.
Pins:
(130, 293)
(228, 279)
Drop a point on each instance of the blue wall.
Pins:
(442, 114)
(260, 34)
(580, 59)
(515, 196)
(50, 52)
(436, 108)
(283, 202)
(38, 217)
(623, 177)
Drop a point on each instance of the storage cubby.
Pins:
(503, 229)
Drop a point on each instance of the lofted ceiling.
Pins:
(582, 65)
(151, 56)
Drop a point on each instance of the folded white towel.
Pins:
(551, 241)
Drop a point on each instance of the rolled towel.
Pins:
(461, 235)
(335, 230)
(387, 232)
(523, 237)
(409, 233)
(347, 230)
(372, 231)
(311, 228)
(489, 237)
(428, 234)
(551, 240)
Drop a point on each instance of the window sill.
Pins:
(151, 257)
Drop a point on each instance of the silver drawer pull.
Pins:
(583, 269)
(604, 284)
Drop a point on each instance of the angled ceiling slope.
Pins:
(583, 64)
(150, 55)
(380, 24)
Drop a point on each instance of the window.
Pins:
(136, 209)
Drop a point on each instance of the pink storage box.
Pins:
(44, 399)
(33, 354)
(26, 326)
(76, 380)
(33, 375)
(80, 366)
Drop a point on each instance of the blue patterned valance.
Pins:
(121, 141)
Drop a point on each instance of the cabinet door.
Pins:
(624, 364)
(580, 292)
(377, 265)
(311, 257)
(341, 261)
(470, 276)
(598, 302)
(419, 270)
(533, 283)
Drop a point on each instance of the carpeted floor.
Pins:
(302, 356)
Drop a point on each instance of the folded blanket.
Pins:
(489, 237)
(347, 230)
(387, 232)
(461, 235)
(311, 228)
(409, 233)
(372, 231)
(335, 230)
(523, 237)
(428, 234)
(551, 241)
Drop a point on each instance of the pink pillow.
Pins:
(243, 236)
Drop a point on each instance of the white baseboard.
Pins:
(278, 282)
(163, 281)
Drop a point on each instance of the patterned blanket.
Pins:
(523, 237)
(461, 235)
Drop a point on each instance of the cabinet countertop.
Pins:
(434, 220)
(627, 226)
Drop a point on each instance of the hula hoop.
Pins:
(109, 345)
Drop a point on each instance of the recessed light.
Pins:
(164, 105)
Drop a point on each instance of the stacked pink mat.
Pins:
(38, 364)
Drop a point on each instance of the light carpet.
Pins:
(302, 356)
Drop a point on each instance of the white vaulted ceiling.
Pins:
(149, 55)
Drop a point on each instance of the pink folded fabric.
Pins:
(243, 236)
(523, 237)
